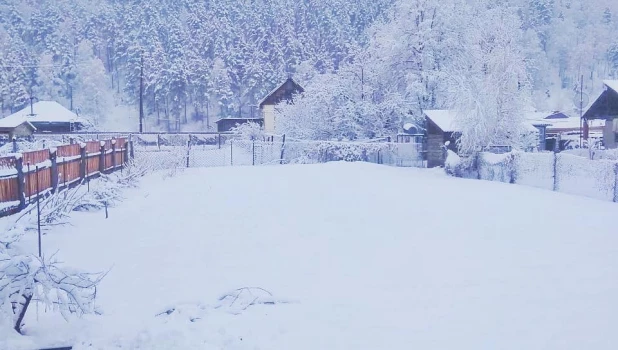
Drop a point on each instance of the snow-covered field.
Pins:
(355, 255)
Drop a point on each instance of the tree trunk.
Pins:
(22, 313)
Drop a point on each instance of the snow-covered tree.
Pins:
(488, 81)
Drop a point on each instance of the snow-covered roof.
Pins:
(612, 84)
(273, 91)
(443, 118)
(574, 123)
(44, 112)
(13, 123)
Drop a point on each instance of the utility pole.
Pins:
(141, 94)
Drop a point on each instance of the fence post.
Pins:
(131, 150)
(159, 141)
(188, 150)
(555, 186)
(102, 158)
(21, 182)
(219, 141)
(616, 183)
(83, 163)
(231, 152)
(38, 207)
(29, 188)
(282, 150)
(14, 144)
(253, 150)
(113, 154)
(54, 170)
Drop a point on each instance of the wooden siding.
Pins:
(35, 157)
(8, 189)
(435, 152)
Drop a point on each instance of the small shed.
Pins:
(16, 128)
(48, 116)
(226, 124)
(440, 129)
(605, 107)
(283, 92)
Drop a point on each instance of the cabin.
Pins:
(605, 108)
(47, 117)
(226, 124)
(439, 128)
(284, 92)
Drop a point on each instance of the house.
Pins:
(440, 129)
(284, 92)
(16, 128)
(605, 108)
(47, 117)
(226, 124)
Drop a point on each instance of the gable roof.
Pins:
(443, 118)
(281, 92)
(44, 112)
(13, 123)
(612, 84)
(606, 105)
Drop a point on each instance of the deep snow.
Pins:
(356, 256)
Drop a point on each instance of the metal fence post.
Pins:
(38, 207)
(616, 183)
(19, 166)
(253, 149)
(29, 184)
(282, 150)
(555, 185)
(14, 144)
(231, 152)
(219, 141)
(188, 150)
(159, 141)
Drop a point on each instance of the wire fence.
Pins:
(559, 172)
(163, 152)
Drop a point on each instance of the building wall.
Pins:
(609, 133)
(21, 131)
(268, 112)
(435, 150)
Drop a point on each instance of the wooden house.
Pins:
(226, 124)
(284, 92)
(439, 129)
(47, 117)
(605, 108)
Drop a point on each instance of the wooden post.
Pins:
(102, 158)
(114, 155)
(83, 163)
(14, 144)
(54, 170)
(19, 166)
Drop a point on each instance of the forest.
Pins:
(367, 66)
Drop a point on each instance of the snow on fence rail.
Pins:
(156, 152)
(560, 172)
(28, 175)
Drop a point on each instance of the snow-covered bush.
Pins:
(25, 276)
(249, 131)
(321, 152)
(497, 167)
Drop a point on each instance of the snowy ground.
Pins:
(356, 256)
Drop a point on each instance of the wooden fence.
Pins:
(37, 173)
